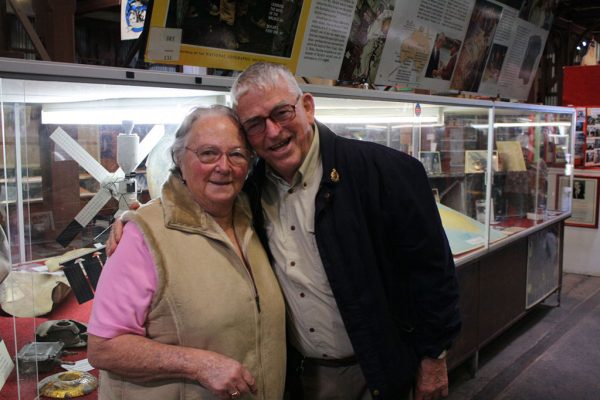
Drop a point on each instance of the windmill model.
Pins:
(120, 184)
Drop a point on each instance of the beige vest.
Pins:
(206, 297)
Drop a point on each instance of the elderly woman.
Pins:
(188, 307)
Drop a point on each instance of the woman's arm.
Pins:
(144, 359)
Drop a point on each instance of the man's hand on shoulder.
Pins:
(116, 232)
(432, 379)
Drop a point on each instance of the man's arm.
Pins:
(116, 232)
(426, 254)
(144, 359)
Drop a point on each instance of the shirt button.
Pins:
(311, 330)
(293, 263)
(305, 184)
(302, 294)
(375, 392)
(327, 195)
(293, 227)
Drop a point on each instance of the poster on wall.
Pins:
(592, 140)
(226, 34)
(133, 16)
(488, 47)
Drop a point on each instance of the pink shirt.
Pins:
(125, 290)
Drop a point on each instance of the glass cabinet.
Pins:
(493, 167)
(499, 171)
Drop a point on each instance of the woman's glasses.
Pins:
(239, 157)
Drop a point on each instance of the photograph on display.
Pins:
(538, 12)
(534, 49)
(228, 33)
(476, 161)
(368, 33)
(593, 122)
(238, 25)
(584, 205)
(477, 46)
(442, 59)
(592, 152)
(431, 161)
(494, 64)
(133, 16)
(578, 189)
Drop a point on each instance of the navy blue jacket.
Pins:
(385, 254)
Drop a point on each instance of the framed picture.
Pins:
(431, 161)
(584, 202)
(476, 161)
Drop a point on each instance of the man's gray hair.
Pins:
(178, 147)
(262, 76)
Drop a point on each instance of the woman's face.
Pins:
(214, 185)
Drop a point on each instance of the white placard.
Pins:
(80, 365)
(6, 364)
(164, 44)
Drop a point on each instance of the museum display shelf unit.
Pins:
(492, 167)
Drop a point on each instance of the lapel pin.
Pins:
(334, 176)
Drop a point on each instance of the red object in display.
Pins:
(580, 89)
(580, 85)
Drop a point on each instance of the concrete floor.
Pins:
(551, 354)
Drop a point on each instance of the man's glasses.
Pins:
(238, 157)
(280, 114)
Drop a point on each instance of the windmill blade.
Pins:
(78, 153)
(150, 140)
(84, 217)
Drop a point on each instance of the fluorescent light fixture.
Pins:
(413, 125)
(114, 112)
(113, 117)
(376, 119)
(520, 124)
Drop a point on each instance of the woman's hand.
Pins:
(144, 359)
(224, 376)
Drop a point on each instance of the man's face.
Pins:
(284, 146)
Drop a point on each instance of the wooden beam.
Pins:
(33, 36)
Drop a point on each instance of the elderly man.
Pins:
(357, 245)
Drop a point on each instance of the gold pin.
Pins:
(335, 177)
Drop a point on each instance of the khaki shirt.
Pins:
(315, 326)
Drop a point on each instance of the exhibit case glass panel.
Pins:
(63, 180)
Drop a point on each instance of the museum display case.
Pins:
(500, 172)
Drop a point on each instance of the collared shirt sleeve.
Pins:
(126, 288)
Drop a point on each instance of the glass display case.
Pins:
(493, 167)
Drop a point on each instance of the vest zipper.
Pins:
(256, 297)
